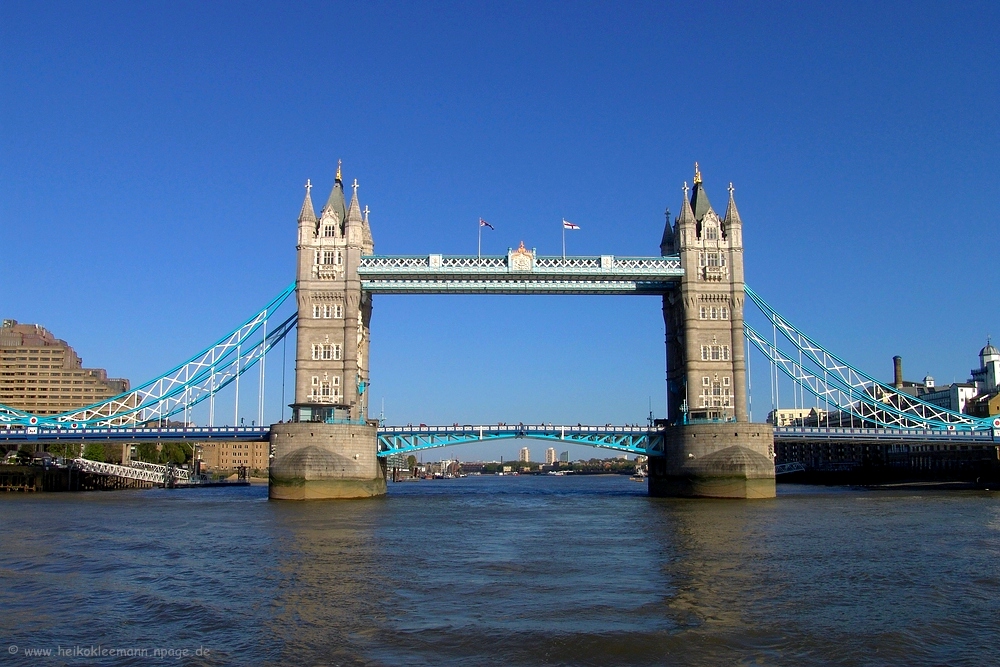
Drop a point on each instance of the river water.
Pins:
(501, 571)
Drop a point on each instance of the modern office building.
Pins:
(43, 375)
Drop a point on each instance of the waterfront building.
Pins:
(564, 457)
(524, 455)
(958, 396)
(226, 456)
(550, 456)
(43, 375)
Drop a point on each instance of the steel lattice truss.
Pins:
(186, 385)
(519, 272)
(849, 389)
(138, 470)
(631, 439)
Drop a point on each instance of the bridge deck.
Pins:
(519, 272)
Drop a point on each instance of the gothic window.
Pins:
(724, 313)
(336, 352)
(338, 257)
(316, 256)
(714, 313)
(711, 233)
(328, 256)
(328, 231)
(315, 351)
(725, 381)
(703, 313)
(317, 310)
(706, 381)
(338, 311)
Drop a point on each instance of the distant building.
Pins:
(987, 376)
(550, 456)
(43, 375)
(796, 417)
(986, 405)
(564, 457)
(226, 456)
(524, 455)
(958, 396)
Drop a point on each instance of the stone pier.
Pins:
(317, 461)
(715, 460)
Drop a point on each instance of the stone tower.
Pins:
(331, 361)
(329, 448)
(706, 368)
(710, 448)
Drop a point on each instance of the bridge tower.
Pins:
(710, 448)
(328, 449)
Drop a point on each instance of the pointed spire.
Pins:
(335, 202)
(354, 210)
(667, 242)
(732, 215)
(699, 199)
(307, 213)
(687, 215)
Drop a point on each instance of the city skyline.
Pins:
(175, 167)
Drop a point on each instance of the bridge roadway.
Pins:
(634, 439)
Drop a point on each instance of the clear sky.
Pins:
(153, 157)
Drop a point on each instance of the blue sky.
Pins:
(153, 157)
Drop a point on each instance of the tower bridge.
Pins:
(331, 449)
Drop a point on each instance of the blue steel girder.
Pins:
(631, 439)
(519, 272)
(183, 386)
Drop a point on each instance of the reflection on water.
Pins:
(507, 571)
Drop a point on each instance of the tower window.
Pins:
(703, 313)
(723, 313)
(711, 233)
(328, 231)
(328, 256)
(338, 311)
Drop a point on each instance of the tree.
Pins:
(411, 461)
(94, 451)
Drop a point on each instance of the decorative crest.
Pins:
(355, 186)
(731, 188)
(337, 177)
(697, 174)
(366, 213)
(685, 189)
(309, 185)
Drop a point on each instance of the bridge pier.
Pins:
(320, 461)
(714, 460)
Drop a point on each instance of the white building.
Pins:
(550, 456)
(524, 455)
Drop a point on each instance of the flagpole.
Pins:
(564, 237)
(479, 252)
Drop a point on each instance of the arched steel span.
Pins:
(630, 439)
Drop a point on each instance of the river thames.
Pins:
(502, 571)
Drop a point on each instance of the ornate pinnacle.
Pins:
(309, 185)
(337, 177)
(697, 174)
